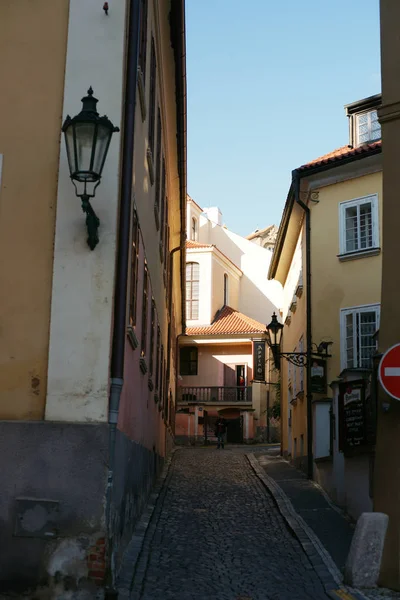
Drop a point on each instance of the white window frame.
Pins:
(373, 199)
(343, 314)
(369, 140)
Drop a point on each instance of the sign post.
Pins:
(389, 371)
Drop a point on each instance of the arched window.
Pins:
(194, 233)
(192, 290)
(226, 290)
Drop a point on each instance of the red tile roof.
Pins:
(340, 153)
(226, 321)
(192, 244)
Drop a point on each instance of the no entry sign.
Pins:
(389, 371)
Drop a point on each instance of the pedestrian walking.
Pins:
(220, 430)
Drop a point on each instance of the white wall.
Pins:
(82, 294)
(293, 276)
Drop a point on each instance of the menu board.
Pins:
(352, 415)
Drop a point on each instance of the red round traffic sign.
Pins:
(389, 371)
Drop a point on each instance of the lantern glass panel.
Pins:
(69, 142)
(102, 143)
(85, 137)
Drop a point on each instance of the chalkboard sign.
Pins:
(352, 416)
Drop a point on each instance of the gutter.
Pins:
(178, 39)
(121, 278)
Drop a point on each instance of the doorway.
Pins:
(234, 431)
(241, 382)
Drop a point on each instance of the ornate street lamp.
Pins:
(274, 338)
(87, 138)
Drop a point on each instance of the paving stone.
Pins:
(217, 533)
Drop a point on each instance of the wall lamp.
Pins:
(87, 138)
(274, 339)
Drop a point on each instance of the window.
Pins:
(158, 168)
(368, 128)
(162, 209)
(161, 376)
(143, 39)
(359, 225)
(192, 290)
(145, 310)
(357, 328)
(188, 360)
(226, 290)
(152, 101)
(152, 335)
(134, 269)
(158, 349)
(194, 233)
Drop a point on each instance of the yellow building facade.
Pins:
(328, 258)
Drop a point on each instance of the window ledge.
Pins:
(150, 164)
(300, 395)
(132, 337)
(157, 216)
(142, 95)
(150, 384)
(359, 254)
(293, 401)
(143, 364)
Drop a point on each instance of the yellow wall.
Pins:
(33, 47)
(337, 284)
(291, 336)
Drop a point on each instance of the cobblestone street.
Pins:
(216, 533)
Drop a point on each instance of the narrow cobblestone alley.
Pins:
(216, 533)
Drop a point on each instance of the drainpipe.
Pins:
(171, 273)
(296, 189)
(121, 277)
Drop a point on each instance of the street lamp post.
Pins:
(274, 333)
(87, 139)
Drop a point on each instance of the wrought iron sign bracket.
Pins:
(299, 359)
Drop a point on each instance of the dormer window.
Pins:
(364, 126)
(368, 128)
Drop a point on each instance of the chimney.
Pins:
(214, 215)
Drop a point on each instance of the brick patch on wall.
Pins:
(96, 561)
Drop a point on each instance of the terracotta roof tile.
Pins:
(340, 153)
(192, 244)
(226, 321)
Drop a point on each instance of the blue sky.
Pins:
(267, 82)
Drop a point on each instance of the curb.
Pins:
(133, 551)
(317, 554)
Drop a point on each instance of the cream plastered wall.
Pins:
(292, 333)
(32, 75)
(211, 360)
(220, 267)
(337, 284)
(204, 259)
(83, 280)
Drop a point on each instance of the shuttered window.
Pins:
(134, 269)
(152, 101)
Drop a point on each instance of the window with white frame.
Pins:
(192, 290)
(194, 235)
(359, 224)
(357, 328)
(368, 128)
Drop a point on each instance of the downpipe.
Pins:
(309, 397)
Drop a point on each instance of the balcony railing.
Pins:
(211, 394)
